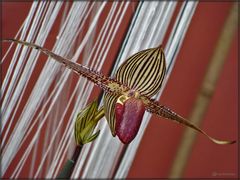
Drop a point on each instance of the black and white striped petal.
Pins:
(144, 71)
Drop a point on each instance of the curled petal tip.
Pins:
(220, 142)
(232, 142)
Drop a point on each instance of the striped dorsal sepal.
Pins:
(144, 71)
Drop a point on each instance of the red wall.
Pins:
(162, 138)
(161, 141)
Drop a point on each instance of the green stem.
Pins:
(68, 167)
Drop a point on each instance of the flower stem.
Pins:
(68, 167)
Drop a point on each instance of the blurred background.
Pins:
(167, 149)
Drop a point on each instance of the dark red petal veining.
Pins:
(128, 119)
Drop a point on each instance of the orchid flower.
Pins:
(127, 96)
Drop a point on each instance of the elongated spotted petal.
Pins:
(165, 112)
(144, 71)
(94, 76)
(109, 109)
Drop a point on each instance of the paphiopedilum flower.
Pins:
(127, 95)
(142, 74)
